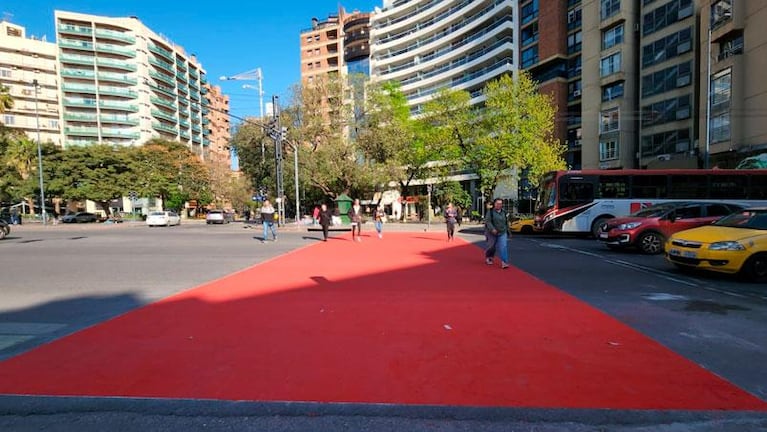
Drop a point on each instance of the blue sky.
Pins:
(227, 37)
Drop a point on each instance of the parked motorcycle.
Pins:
(5, 229)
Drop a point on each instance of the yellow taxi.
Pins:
(522, 225)
(734, 244)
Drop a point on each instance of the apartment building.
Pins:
(734, 101)
(428, 45)
(356, 39)
(321, 49)
(550, 44)
(218, 124)
(123, 84)
(28, 69)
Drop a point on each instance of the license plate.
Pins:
(603, 235)
(681, 253)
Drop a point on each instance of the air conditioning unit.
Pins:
(576, 93)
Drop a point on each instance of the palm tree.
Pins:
(6, 101)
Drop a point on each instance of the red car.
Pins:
(649, 228)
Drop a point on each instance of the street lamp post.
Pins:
(707, 159)
(40, 159)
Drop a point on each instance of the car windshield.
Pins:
(654, 211)
(751, 219)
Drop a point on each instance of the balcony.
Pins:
(77, 59)
(205, 142)
(114, 35)
(162, 77)
(183, 88)
(116, 64)
(76, 44)
(193, 74)
(116, 49)
(119, 133)
(196, 129)
(165, 128)
(74, 29)
(163, 102)
(205, 121)
(196, 139)
(168, 91)
(162, 51)
(118, 91)
(161, 64)
(118, 119)
(185, 134)
(79, 103)
(79, 88)
(194, 96)
(120, 78)
(78, 73)
(160, 114)
(82, 131)
(80, 117)
(118, 106)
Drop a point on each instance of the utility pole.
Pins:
(43, 214)
(278, 158)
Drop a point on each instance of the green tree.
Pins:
(518, 128)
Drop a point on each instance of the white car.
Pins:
(164, 218)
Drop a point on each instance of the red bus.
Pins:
(580, 201)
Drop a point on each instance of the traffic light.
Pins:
(284, 133)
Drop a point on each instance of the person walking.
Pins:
(267, 220)
(497, 234)
(315, 215)
(355, 215)
(379, 220)
(451, 218)
(325, 216)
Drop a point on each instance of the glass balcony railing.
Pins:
(118, 91)
(169, 91)
(117, 105)
(196, 128)
(78, 73)
(163, 102)
(183, 101)
(161, 63)
(82, 131)
(162, 127)
(119, 133)
(79, 88)
(114, 77)
(194, 74)
(163, 115)
(184, 124)
(184, 112)
(81, 117)
(80, 143)
(161, 77)
(194, 96)
(205, 142)
(116, 64)
(74, 29)
(115, 35)
(116, 49)
(76, 44)
(160, 50)
(80, 102)
(77, 59)
(205, 121)
(119, 119)
(184, 134)
(183, 88)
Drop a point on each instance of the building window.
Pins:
(574, 66)
(666, 111)
(574, 42)
(612, 91)
(612, 37)
(608, 150)
(666, 48)
(530, 56)
(676, 141)
(721, 89)
(608, 8)
(677, 76)
(574, 90)
(666, 15)
(731, 47)
(530, 34)
(720, 128)
(529, 12)
(610, 65)
(5, 73)
(609, 121)
(8, 119)
(574, 18)
(54, 124)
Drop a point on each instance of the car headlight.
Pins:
(628, 226)
(726, 246)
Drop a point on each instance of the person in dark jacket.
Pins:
(355, 215)
(497, 234)
(325, 216)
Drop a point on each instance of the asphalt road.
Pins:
(59, 279)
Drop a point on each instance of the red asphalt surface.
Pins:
(409, 319)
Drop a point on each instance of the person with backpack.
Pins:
(497, 234)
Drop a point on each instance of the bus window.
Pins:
(649, 186)
(575, 193)
(688, 186)
(548, 195)
(613, 187)
(728, 187)
(758, 189)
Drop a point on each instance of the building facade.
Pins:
(123, 84)
(321, 49)
(428, 45)
(218, 123)
(356, 40)
(29, 70)
(734, 104)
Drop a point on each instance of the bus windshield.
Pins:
(548, 195)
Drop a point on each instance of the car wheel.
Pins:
(596, 227)
(651, 243)
(755, 268)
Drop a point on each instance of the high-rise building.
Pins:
(218, 124)
(321, 50)
(736, 105)
(428, 45)
(356, 33)
(550, 45)
(28, 70)
(123, 84)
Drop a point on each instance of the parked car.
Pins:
(218, 217)
(79, 217)
(734, 244)
(162, 218)
(648, 229)
(522, 225)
